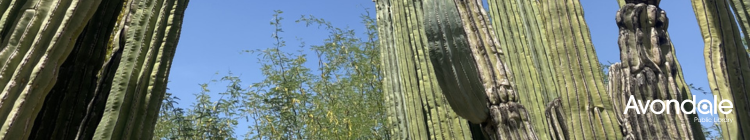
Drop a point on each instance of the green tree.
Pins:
(349, 85)
(341, 98)
(207, 118)
(282, 98)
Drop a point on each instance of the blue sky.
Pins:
(215, 32)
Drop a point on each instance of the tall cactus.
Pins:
(93, 46)
(741, 10)
(520, 31)
(37, 36)
(537, 39)
(549, 51)
(471, 70)
(649, 70)
(726, 63)
(416, 106)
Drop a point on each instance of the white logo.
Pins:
(706, 107)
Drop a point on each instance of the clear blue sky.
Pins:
(215, 32)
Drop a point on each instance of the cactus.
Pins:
(80, 45)
(416, 106)
(471, 53)
(37, 36)
(726, 63)
(517, 25)
(549, 51)
(471, 70)
(77, 79)
(548, 57)
(649, 70)
(741, 10)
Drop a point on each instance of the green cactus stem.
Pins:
(726, 61)
(61, 58)
(416, 106)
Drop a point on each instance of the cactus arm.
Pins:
(150, 68)
(169, 44)
(742, 12)
(117, 100)
(726, 63)
(44, 69)
(41, 39)
(26, 81)
(445, 39)
(134, 93)
(152, 31)
(467, 56)
(417, 108)
(62, 108)
(9, 15)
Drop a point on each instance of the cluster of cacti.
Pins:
(36, 37)
(546, 47)
(416, 107)
(537, 56)
(648, 71)
(726, 63)
(110, 60)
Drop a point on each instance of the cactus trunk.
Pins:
(741, 10)
(649, 71)
(471, 69)
(92, 50)
(37, 36)
(726, 63)
(548, 49)
(416, 106)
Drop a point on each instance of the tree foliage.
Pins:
(340, 97)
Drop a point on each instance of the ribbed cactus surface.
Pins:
(471, 69)
(548, 49)
(139, 82)
(37, 36)
(455, 66)
(110, 60)
(417, 109)
(519, 28)
(741, 10)
(726, 60)
(649, 71)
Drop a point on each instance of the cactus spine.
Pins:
(726, 61)
(79, 44)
